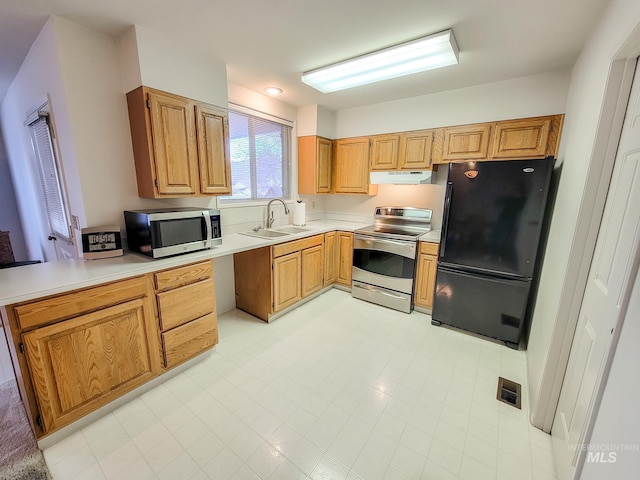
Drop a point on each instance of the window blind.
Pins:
(50, 180)
(260, 151)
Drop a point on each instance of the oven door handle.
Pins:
(399, 243)
(403, 249)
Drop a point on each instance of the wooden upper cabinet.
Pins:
(415, 150)
(402, 151)
(314, 164)
(174, 144)
(525, 138)
(213, 150)
(521, 138)
(351, 166)
(384, 152)
(180, 146)
(468, 142)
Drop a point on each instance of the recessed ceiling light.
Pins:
(273, 90)
(426, 53)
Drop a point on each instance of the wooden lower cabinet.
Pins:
(190, 339)
(85, 362)
(330, 257)
(76, 352)
(287, 285)
(270, 279)
(345, 258)
(426, 275)
(186, 311)
(312, 260)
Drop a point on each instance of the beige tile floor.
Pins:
(336, 389)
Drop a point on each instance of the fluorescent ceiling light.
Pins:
(426, 53)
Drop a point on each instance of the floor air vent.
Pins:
(509, 392)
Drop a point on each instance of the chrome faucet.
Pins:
(270, 213)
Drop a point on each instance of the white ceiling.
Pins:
(271, 42)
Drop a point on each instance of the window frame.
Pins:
(225, 201)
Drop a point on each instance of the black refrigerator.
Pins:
(492, 224)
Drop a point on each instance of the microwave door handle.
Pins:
(207, 222)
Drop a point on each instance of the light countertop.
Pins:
(27, 282)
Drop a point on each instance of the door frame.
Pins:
(614, 106)
(607, 136)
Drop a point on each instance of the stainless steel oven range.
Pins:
(384, 256)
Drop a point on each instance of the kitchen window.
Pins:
(260, 151)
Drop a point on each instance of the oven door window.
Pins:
(177, 232)
(383, 263)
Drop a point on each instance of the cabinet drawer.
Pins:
(82, 301)
(188, 340)
(296, 245)
(429, 248)
(183, 304)
(177, 277)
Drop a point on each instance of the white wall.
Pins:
(9, 214)
(584, 156)
(531, 96)
(40, 77)
(618, 417)
(158, 61)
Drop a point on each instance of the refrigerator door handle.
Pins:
(487, 274)
(445, 229)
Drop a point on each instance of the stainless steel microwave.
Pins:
(165, 232)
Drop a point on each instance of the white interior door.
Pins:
(55, 203)
(605, 296)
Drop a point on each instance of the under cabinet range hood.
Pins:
(403, 178)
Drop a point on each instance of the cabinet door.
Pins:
(352, 165)
(314, 164)
(426, 274)
(83, 363)
(345, 261)
(312, 269)
(466, 142)
(330, 258)
(415, 150)
(213, 152)
(384, 152)
(286, 281)
(525, 138)
(323, 165)
(174, 144)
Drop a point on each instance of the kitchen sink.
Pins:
(275, 232)
(265, 234)
(290, 229)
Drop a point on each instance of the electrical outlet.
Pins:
(313, 205)
(75, 222)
